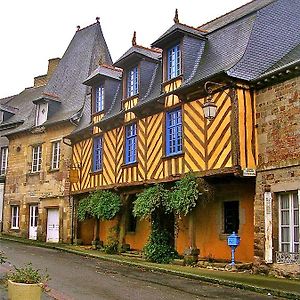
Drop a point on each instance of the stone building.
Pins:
(37, 202)
(278, 171)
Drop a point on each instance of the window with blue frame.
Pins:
(98, 154)
(99, 99)
(174, 132)
(130, 143)
(132, 82)
(174, 64)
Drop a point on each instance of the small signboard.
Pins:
(249, 172)
(74, 178)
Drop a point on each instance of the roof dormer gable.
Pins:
(182, 47)
(45, 106)
(104, 81)
(139, 64)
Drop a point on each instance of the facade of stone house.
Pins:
(128, 142)
(278, 170)
(37, 202)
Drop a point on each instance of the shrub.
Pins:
(27, 274)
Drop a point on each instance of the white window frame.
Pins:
(4, 160)
(41, 117)
(36, 162)
(55, 155)
(15, 211)
(291, 224)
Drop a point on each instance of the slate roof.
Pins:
(235, 15)
(245, 43)
(290, 59)
(276, 31)
(83, 54)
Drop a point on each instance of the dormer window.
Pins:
(132, 82)
(173, 62)
(99, 99)
(41, 113)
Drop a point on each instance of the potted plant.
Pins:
(26, 283)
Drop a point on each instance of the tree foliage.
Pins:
(103, 205)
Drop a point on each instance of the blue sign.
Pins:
(233, 240)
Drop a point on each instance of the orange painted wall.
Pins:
(105, 230)
(86, 231)
(139, 238)
(209, 225)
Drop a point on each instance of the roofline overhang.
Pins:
(177, 33)
(277, 75)
(93, 80)
(132, 58)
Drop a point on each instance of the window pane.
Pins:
(173, 132)
(98, 154)
(130, 143)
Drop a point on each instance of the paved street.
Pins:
(77, 277)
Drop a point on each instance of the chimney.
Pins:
(52, 64)
(43, 79)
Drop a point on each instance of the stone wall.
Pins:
(47, 188)
(278, 129)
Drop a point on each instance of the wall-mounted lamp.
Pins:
(209, 108)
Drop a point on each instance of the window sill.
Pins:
(129, 165)
(130, 98)
(33, 173)
(175, 155)
(172, 80)
(131, 232)
(96, 172)
(97, 113)
(15, 229)
(53, 170)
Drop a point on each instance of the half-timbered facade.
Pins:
(152, 126)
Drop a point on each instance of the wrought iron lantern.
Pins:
(209, 108)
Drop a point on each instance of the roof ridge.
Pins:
(195, 28)
(219, 17)
(95, 23)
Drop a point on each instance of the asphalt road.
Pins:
(79, 278)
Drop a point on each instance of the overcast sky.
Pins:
(32, 31)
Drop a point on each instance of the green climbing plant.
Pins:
(151, 199)
(183, 196)
(102, 205)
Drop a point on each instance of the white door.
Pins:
(53, 225)
(33, 219)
